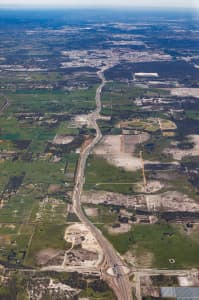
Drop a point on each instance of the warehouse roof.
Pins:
(181, 293)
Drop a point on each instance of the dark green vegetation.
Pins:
(191, 114)
(177, 70)
(153, 148)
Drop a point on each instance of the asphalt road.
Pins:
(119, 281)
(4, 105)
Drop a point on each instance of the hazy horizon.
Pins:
(99, 4)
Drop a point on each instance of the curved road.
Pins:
(119, 281)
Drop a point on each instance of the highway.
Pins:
(119, 281)
(4, 105)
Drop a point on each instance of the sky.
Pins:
(103, 3)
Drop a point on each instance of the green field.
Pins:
(27, 222)
(92, 294)
(101, 175)
(46, 236)
(117, 92)
(192, 114)
(104, 214)
(163, 241)
(78, 101)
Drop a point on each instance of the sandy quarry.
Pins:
(168, 201)
(185, 92)
(179, 154)
(80, 257)
(119, 149)
(62, 139)
(102, 197)
(171, 201)
(78, 234)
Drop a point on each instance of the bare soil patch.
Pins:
(46, 255)
(79, 234)
(82, 120)
(80, 257)
(109, 198)
(123, 228)
(54, 188)
(63, 139)
(5, 239)
(188, 280)
(152, 187)
(119, 149)
(10, 226)
(142, 260)
(148, 288)
(185, 92)
(167, 201)
(91, 211)
(171, 201)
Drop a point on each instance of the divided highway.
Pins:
(120, 280)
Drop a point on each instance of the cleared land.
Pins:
(62, 140)
(78, 234)
(185, 92)
(119, 149)
(167, 201)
